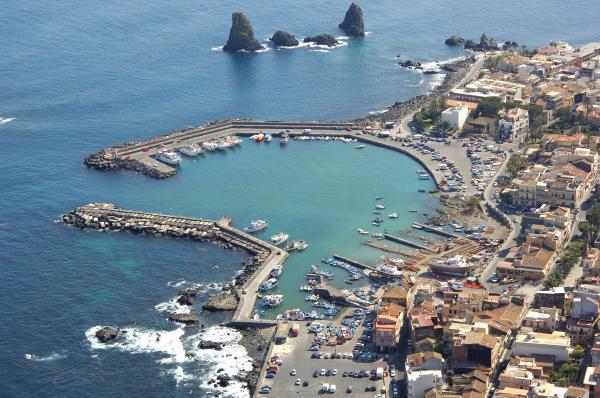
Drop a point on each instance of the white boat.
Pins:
(272, 300)
(209, 145)
(284, 140)
(233, 140)
(306, 288)
(171, 158)
(279, 238)
(389, 271)
(297, 245)
(222, 145)
(456, 265)
(360, 146)
(277, 270)
(363, 231)
(191, 150)
(268, 285)
(377, 235)
(256, 225)
(393, 215)
(380, 207)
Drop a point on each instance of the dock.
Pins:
(264, 256)
(406, 242)
(354, 263)
(438, 231)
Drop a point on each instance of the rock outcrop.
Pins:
(187, 319)
(210, 345)
(485, 44)
(187, 297)
(224, 301)
(353, 24)
(284, 39)
(410, 64)
(107, 334)
(455, 41)
(241, 35)
(322, 40)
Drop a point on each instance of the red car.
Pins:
(145, 149)
(348, 129)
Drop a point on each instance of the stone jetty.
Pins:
(108, 217)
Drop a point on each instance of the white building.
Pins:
(422, 380)
(456, 116)
(528, 343)
(570, 156)
(514, 122)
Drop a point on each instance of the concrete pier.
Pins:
(397, 239)
(438, 231)
(264, 256)
(353, 262)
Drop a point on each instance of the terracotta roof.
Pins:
(481, 339)
(394, 293)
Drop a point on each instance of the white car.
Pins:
(298, 382)
(293, 372)
(334, 372)
(322, 372)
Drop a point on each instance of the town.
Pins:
(519, 143)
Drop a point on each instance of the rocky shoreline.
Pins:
(256, 342)
(399, 110)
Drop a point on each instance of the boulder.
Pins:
(210, 345)
(410, 64)
(455, 41)
(223, 301)
(187, 297)
(187, 319)
(107, 334)
(322, 40)
(486, 43)
(353, 24)
(241, 35)
(470, 45)
(284, 39)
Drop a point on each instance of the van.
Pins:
(332, 388)
(307, 131)
(325, 388)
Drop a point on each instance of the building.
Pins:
(514, 122)
(542, 320)
(555, 344)
(476, 348)
(555, 48)
(514, 377)
(545, 389)
(420, 381)
(554, 297)
(592, 381)
(526, 262)
(428, 360)
(455, 116)
(576, 392)
(387, 326)
(591, 263)
(562, 156)
(585, 304)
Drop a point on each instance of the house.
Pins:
(420, 381)
(455, 116)
(592, 381)
(555, 48)
(526, 262)
(542, 319)
(585, 304)
(580, 330)
(510, 392)
(476, 348)
(554, 297)
(545, 389)
(428, 360)
(555, 344)
(591, 263)
(481, 125)
(515, 377)
(387, 326)
(514, 122)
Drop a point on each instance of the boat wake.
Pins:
(4, 120)
(50, 357)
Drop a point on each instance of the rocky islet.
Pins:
(353, 23)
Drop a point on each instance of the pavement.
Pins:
(295, 355)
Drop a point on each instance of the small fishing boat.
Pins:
(272, 300)
(416, 226)
(363, 231)
(377, 212)
(393, 215)
(380, 207)
(306, 288)
(412, 210)
(277, 270)
(234, 140)
(298, 245)
(222, 145)
(284, 140)
(422, 190)
(268, 285)
(268, 137)
(191, 150)
(170, 158)
(423, 176)
(256, 225)
(360, 146)
(209, 145)
(279, 238)
(379, 198)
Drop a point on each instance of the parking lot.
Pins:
(304, 373)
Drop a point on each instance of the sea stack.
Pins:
(322, 40)
(353, 24)
(455, 41)
(284, 39)
(241, 35)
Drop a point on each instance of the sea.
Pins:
(79, 76)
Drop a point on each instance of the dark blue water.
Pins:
(78, 76)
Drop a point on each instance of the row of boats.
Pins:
(277, 239)
(192, 150)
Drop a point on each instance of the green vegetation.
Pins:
(432, 115)
(473, 203)
(577, 352)
(567, 374)
(571, 256)
(516, 163)
(537, 119)
(489, 107)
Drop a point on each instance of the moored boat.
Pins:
(393, 215)
(277, 270)
(256, 225)
(363, 231)
(209, 145)
(284, 140)
(298, 245)
(380, 207)
(456, 265)
(268, 285)
(279, 238)
(169, 157)
(360, 146)
(191, 150)
(272, 300)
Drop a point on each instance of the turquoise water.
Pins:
(79, 76)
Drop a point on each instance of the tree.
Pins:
(516, 163)
(473, 203)
(489, 107)
(537, 118)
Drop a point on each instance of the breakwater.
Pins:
(139, 156)
(108, 217)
